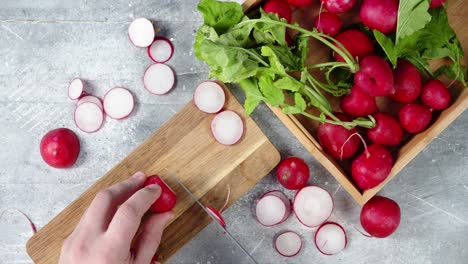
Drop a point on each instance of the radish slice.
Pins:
(160, 50)
(209, 97)
(89, 117)
(118, 103)
(312, 206)
(215, 213)
(90, 99)
(273, 208)
(141, 32)
(159, 79)
(76, 89)
(227, 127)
(288, 244)
(330, 238)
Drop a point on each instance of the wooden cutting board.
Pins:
(184, 145)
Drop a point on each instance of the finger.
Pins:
(99, 214)
(124, 225)
(148, 241)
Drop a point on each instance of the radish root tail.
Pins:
(227, 199)
(362, 233)
(33, 226)
(346, 141)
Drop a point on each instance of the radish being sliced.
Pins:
(160, 50)
(216, 215)
(89, 117)
(209, 97)
(141, 32)
(118, 103)
(90, 99)
(159, 79)
(312, 206)
(76, 89)
(330, 238)
(273, 208)
(227, 127)
(288, 244)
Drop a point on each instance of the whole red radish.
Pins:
(279, 7)
(379, 14)
(300, 3)
(380, 216)
(435, 95)
(293, 173)
(358, 104)
(168, 198)
(356, 42)
(375, 77)
(338, 6)
(414, 117)
(328, 23)
(332, 138)
(387, 130)
(60, 148)
(407, 82)
(371, 167)
(436, 3)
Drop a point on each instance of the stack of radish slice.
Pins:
(330, 238)
(288, 244)
(273, 208)
(312, 206)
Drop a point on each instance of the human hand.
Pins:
(105, 232)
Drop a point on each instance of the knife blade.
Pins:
(224, 229)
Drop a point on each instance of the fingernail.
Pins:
(154, 187)
(138, 176)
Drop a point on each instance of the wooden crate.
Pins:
(305, 129)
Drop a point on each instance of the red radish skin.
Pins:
(300, 3)
(338, 6)
(328, 23)
(118, 103)
(288, 244)
(358, 104)
(407, 82)
(76, 89)
(414, 117)
(375, 77)
(356, 42)
(312, 206)
(141, 32)
(380, 15)
(88, 117)
(387, 130)
(273, 208)
(435, 95)
(436, 3)
(90, 99)
(330, 238)
(217, 215)
(372, 167)
(293, 173)
(332, 138)
(160, 50)
(380, 216)
(167, 200)
(60, 148)
(209, 97)
(279, 7)
(227, 128)
(159, 79)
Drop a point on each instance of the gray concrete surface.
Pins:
(44, 44)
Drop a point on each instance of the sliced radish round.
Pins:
(76, 89)
(227, 127)
(89, 117)
(216, 215)
(141, 32)
(90, 99)
(160, 50)
(312, 206)
(273, 208)
(118, 103)
(159, 78)
(288, 244)
(330, 238)
(209, 97)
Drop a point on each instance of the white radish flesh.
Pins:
(227, 127)
(160, 50)
(141, 32)
(312, 206)
(288, 244)
(273, 208)
(90, 99)
(118, 103)
(159, 79)
(209, 97)
(88, 117)
(75, 89)
(330, 238)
